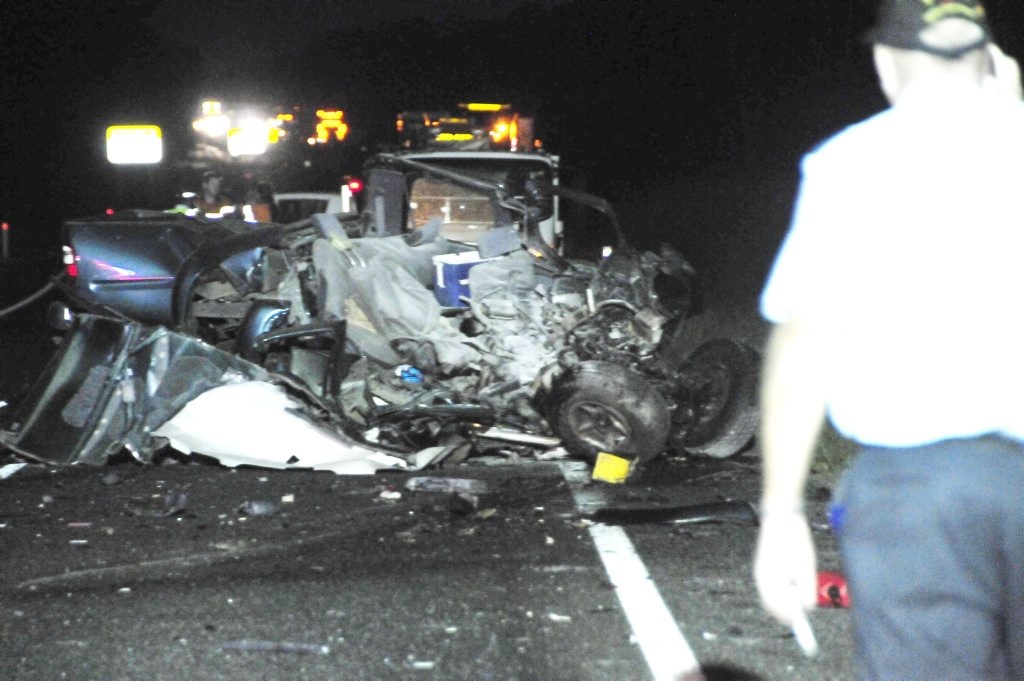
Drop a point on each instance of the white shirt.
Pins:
(907, 244)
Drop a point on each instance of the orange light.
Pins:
(328, 128)
(285, 118)
(500, 131)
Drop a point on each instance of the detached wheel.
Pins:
(604, 407)
(717, 413)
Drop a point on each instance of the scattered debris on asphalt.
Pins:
(832, 590)
(715, 511)
(253, 645)
(257, 508)
(164, 506)
(448, 485)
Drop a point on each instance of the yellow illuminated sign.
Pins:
(454, 137)
(141, 144)
(326, 129)
(485, 107)
(329, 114)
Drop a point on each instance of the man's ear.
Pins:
(888, 73)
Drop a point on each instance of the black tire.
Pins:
(604, 407)
(718, 411)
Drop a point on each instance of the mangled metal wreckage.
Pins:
(399, 337)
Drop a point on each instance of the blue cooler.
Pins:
(452, 277)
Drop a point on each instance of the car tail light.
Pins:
(70, 261)
(354, 185)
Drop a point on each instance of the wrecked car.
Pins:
(436, 324)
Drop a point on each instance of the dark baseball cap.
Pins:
(947, 28)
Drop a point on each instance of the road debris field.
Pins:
(484, 569)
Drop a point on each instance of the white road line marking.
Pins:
(666, 651)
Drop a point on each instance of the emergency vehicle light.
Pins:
(210, 107)
(454, 137)
(250, 139)
(485, 107)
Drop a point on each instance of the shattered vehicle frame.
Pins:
(434, 325)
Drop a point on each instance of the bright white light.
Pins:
(212, 126)
(606, 251)
(134, 144)
(249, 138)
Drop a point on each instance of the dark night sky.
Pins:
(626, 90)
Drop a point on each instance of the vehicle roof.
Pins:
(303, 196)
(489, 155)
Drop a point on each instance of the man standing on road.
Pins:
(895, 298)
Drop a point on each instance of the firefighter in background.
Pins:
(211, 198)
(259, 203)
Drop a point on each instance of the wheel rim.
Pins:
(599, 426)
(713, 394)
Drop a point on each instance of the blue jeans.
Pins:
(932, 543)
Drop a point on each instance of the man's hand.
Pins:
(785, 568)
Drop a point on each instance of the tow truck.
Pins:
(473, 126)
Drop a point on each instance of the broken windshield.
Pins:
(465, 213)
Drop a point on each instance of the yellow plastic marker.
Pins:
(610, 468)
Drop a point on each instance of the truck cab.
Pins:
(466, 213)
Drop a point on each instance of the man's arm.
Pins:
(1005, 73)
(793, 410)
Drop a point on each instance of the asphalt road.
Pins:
(163, 572)
(160, 572)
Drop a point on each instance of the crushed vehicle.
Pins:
(435, 324)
